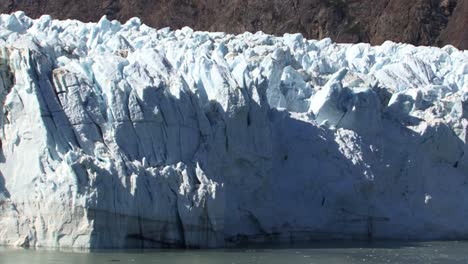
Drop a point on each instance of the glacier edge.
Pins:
(120, 136)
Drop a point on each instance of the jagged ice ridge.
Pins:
(126, 136)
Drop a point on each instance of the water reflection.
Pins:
(317, 253)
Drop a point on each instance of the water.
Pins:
(382, 252)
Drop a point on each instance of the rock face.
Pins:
(126, 136)
(420, 22)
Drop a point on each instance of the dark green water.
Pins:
(382, 252)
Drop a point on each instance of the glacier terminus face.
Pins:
(120, 135)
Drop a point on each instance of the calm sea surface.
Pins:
(317, 253)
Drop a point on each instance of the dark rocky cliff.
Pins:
(420, 22)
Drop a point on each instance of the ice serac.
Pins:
(126, 136)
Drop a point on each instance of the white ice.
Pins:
(121, 135)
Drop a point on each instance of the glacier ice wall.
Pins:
(126, 136)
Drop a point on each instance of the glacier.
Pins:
(120, 135)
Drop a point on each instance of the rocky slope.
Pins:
(421, 22)
(125, 136)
